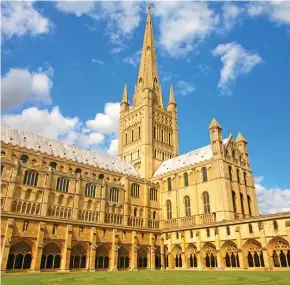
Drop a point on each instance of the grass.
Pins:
(149, 278)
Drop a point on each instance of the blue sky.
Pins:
(63, 70)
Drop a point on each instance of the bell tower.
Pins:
(148, 133)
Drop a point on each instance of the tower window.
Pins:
(62, 184)
(238, 175)
(24, 158)
(234, 201)
(208, 232)
(206, 203)
(245, 178)
(135, 190)
(204, 174)
(250, 228)
(139, 131)
(187, 206)
(140, 80)
(168, 210)
(230, 173)
(228, 230)
(155, 80)
(169, 184)
(249, 204)
(185, 178)
(275, 225)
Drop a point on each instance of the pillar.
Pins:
(92, 249)
(103, 189)
(152, 252)
(114, 251)
(200, 264)
(36, 260)
(66, 250)
(240, 248)
(6, 244)
(162, 252)
(264, 246)
(218, 248)
(133, 265)
(183, 246)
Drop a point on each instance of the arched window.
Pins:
(169, 138)
(245, 178)
(187, 206)
(114, 195)
(234, 201)
(126, 138)
(249, 204)
(90, 190)
(139, 132)
(250, 228)
(242, 203)
(238, 175)
(204, 174)
(135, 212)
(78, 257)
(230, 173)
(62, 184)
(53, 165)
(169, 185)
(155, 80)
(168, 210)
(140, 79)
(30, 178)
(50, 257)
(135, 189)
(101, 176)
(206, 203)
(24, 158)
(20, 256)
(153, 194)
(185, 179)
(208, 232)
(132, 135)
(228, 230)
(275, 225)
(78, 170)
(154, 133)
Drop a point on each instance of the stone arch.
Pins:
(191, 256)
(279, 252)
(142, 257)
(123, 257)
(51, 256)
(20, 255)
(38, 196)
(102, 257)
(254, 253)
(78, 256)
(157, 258)
(209, 255)
(177, 255)
(229, 254)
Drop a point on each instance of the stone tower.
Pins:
(148, 132)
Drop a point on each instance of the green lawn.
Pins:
(149, 278)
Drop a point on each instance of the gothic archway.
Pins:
(209, 255)
(177, 256)
(191, 256)
(230, 255)
(279, 250)
(50, 258)
(123, 258)
(254, 253)
(78, 257)
(142, 261)
(102, 257)
(20, 256)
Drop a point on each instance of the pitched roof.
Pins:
(65, 151)
(187, 159)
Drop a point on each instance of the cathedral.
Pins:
(69, 209)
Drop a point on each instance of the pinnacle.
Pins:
(240, 137)
(214, 123)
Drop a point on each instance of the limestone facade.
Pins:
(66, 209)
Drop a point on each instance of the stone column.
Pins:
(162, 252)
(114, 252)
(6, 243)
(170, 264)
(146, 205)
(152, 252)
(133, 265)
(126, 204)
(92, 249)
(76, 197)
(218, 248)
(103, 189)
(264, 246)
(200, 264)
(183, 246)
(66, 250)
(36, 260)
(240, 248)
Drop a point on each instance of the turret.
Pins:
(171, 103)
(216, 139)
(124, 103)
(242, 144)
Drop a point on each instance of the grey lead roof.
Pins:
(62, 150)
(190, 158)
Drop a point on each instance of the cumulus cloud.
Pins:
(231, 15)
(21, 18)
(20, 85)
(272, 200)
(107, 122)
(276, 11)
(99, 61)
(236, 61)
(183, 25)
(113, 149)
(184, 88)
(76, 7)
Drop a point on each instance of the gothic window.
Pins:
(78, 170)
(250, 228)
(168, 210)
(187, 206)
(230, 173)
(242, 203)
(238, 175)
(153, 194)
(50, 258)
(191, 234)
(114, 195)
(234, 201)
(206, 203)
(53, 165)
(275, 225)
(62, 184)
(185, 179)
(30, 178)
(210, 257)
(245, 178)
(135, 190)
(20, 256)
(162, 136)
(139, 132)
(169, 184)
(126, 135)
(154, 133)
(101, 176)
(208, 232)
(255, 256)
(78, 257)
(228, 230)
(90, 190)
(135, 212)
(24, 158)
(155, 80)
(204, 174)
(232, 258)
(281, 254)
(177, 235)
(154, 215)
(25, 226)
(132, 135)
(169, 138)
(249, 204)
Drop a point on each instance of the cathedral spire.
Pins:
(125, 94)
(148, 74)
(171, 96)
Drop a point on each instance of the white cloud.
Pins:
(277, 11)
(134, 59)
(20, 86)
(76, 7)
(183, 25)
(230, 15)
(107, 122)
(99, 61)
(272, 200)
(21, 18)
(113, 149)
(184, 88)
(236, 61)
